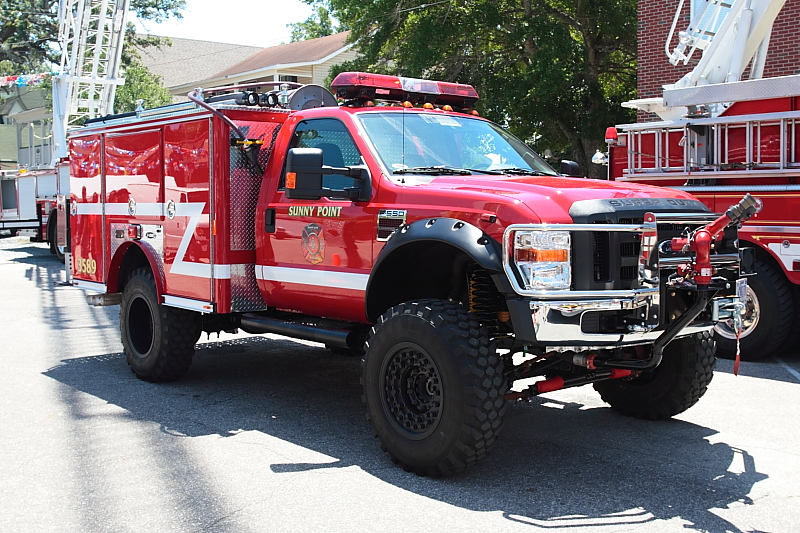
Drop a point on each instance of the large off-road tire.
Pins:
(768, 319)
(158, 340)
(672, 387)
(433, 387)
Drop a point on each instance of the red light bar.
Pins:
(362, 85)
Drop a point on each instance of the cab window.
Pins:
(338, 147)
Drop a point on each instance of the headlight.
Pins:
(542, 259)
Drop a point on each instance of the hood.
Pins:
(551, 198)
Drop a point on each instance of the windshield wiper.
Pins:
(434, 170)
(522, 171)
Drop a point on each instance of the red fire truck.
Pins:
(720, 137)
(400, 226)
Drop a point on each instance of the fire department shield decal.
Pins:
(313, 244)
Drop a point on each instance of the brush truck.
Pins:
(390, 221)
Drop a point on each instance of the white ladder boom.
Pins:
(91, 34)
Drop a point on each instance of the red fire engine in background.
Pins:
(411, 231)
(720, 137)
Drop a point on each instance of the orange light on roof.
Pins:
(291, 180)
(407, 104)
(369, 103)
(447, 108)
(474, 112)
(534, 255)
(427, 105)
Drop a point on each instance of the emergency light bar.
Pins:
(362, 85)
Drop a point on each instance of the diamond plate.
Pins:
(245, 184)
(734, 91)
(245, 294)
(119, 235)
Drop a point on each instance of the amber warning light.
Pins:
(362, 85)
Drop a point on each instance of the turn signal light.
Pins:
(532, 254)
(291, 180)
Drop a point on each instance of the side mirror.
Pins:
(570, 168)
(304, 174)
(304, 171)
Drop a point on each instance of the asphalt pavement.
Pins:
(269, 434)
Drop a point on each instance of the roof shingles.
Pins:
(287, 54)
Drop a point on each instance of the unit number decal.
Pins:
(85, 266)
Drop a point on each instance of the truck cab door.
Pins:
(318, 253)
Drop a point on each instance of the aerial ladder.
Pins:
(91, 36)
(721, 136)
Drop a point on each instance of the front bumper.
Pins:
(559, 325)
(578, 319)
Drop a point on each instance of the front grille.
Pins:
(600, 252)
(610, 260)
(629, 249)
(613, 256)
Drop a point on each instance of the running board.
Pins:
(342, 338)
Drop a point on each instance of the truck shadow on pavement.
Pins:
(557, 464)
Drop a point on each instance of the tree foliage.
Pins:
(140, 83)
(554, 71)
(319, 24)
(29, 30)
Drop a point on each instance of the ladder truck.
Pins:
(91, 34)
(720, 136)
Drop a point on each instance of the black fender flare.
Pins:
(469, 239)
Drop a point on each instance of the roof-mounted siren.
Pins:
(365, 86)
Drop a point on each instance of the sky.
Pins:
(248, 23)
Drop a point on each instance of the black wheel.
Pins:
(52, 224)
(158, 340)
(671, 388)
(768, 318)
(433, 387)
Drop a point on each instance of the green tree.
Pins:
(320, 24)
(140, 83)
(29, 30)
(554, 71)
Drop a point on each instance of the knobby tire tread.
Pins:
(180, 331)
(686, 371)
(477, 358)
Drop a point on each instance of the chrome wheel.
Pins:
(750, 319)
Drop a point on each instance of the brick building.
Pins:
(655, 19)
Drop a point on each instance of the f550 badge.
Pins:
(313, 244)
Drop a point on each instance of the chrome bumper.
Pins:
(557, 315)
(559, 324)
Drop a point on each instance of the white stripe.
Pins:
(186, 303)
(193, 210)
(317, 278)
(789, 369)
(93, 209)
(120, 209)
(89, 285)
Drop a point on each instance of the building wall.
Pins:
(655, 19)
(321, 71)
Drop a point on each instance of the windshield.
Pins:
(434, 143)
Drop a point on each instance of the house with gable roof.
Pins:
(301, 62)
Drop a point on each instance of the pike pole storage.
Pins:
(390, 221)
